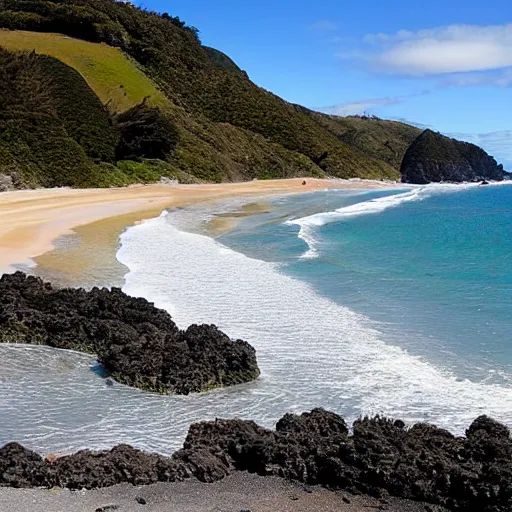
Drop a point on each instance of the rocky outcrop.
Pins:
(432, 157)
(138, 344)
(381, 457)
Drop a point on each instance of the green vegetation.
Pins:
(145, 132)
(384, 140)
(204, 120)
(434, 157)
(112, 75)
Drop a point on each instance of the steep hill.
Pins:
(224, 126)
(434, 157)
(51, 124)
(113, 76)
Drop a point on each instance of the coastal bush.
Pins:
(434, 157)
(52, 126)
(145, 132)
(38, 150)
(83, 115)
(113, 76)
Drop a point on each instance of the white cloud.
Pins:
(442, 50)
(501, 79)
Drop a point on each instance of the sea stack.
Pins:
(432, 157)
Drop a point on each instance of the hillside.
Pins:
(223, 126)
(109, 72)
(434, 157)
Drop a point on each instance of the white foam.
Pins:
(312, 351)
(308, 224)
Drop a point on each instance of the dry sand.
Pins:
(31, 220)
(239, 492)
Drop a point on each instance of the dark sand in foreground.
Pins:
(239, 492)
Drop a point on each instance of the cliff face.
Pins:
(432, 157)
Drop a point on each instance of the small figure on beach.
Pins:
(304, 183)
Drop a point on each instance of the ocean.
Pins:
(386, 301)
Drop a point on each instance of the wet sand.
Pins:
(31, 221)
(239, 492)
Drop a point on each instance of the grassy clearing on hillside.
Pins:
(108, 71)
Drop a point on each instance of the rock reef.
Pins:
(432, 157)
(137, 343)
(381, 457)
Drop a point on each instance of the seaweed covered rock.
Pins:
(20, 467)
(138, 344)
(381, 457)
(432, 157)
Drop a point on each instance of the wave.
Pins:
(312, 351)
(376, 205)
(307, 225)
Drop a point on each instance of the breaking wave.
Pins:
(308, 225)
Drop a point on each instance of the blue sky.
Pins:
(448, 66)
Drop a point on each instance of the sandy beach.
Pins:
(31, 220)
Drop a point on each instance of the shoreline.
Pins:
(32, 220)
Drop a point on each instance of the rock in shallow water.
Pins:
(138, 344)
(380, 457)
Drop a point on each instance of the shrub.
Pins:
(145, 132)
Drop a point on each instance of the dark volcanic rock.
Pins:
(138, 344)
(380, 458)
(20, 467)
(434, 157)
(122, 464)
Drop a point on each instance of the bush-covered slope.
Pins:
(114, 77)
(49, 121)
(227, 127)
(384, 140)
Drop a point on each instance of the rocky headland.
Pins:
(432, 157)
(379, 457)
(138, 344)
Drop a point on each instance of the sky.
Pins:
(445, 64)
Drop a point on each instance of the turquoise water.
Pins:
(433, 266)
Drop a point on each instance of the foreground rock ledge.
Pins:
(138, 344)
(381, 457)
